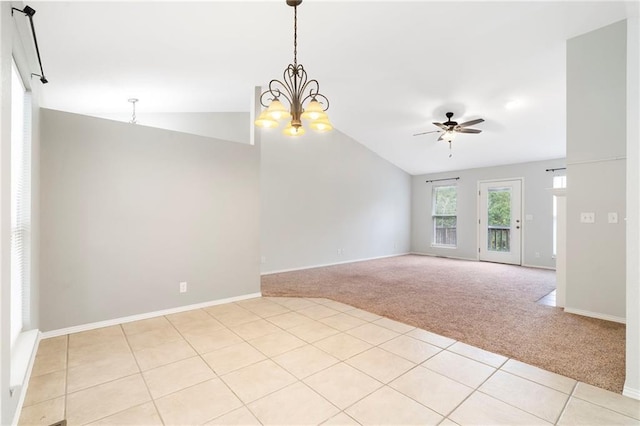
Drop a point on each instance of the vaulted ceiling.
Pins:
(389, 68)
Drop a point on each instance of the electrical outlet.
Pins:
(183, 287)
(339, 251)
(587, 217)
(537, 255)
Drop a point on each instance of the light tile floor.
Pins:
(279, 360)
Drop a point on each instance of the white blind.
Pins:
(20, 203)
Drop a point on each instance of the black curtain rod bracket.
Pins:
(438, 180)
(29, 12)
(553, 170)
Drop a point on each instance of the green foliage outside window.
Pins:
(446, 200)
(499, 208)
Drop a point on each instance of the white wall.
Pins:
(596, 172)
(632, 382)
(16, 41)
(324, 192)
(538, 201)
(129, 211)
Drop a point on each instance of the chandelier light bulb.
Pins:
(321, 126)
(314, 111)
(276, 110)
(265, 121)
(293, 131)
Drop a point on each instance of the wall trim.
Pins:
(631, 393)
(147, 315)
(595, 315)
(418, 253)
(476, 260)
(333, 264)
(550, 268)
(27, 377)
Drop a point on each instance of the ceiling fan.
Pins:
(449, 128)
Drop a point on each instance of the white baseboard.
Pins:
(331, 264)
(631, 393)
(439, 255)
(24, 386)
(550, 268)
(138, 317)
(595, 315)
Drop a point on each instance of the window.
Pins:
(558, 182)
(20, 204)
(445, 220)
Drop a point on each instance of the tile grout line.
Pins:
(220, 377)
(114, 380)
(476, 389)
(198, 355)
(566, 403)
(298, 380)
(538, 383)
(313, 344)
(519, 408)
(153, 401)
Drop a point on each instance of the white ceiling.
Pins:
(388, 68)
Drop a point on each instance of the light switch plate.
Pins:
(613, 217)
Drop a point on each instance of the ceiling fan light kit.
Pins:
(296, 89)
(450, 128)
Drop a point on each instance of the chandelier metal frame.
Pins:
(296, 87)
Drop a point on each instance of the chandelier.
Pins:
(303, 95)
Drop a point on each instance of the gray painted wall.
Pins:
(325, 192)
(130, 211)
(537, 234)
(596, 172)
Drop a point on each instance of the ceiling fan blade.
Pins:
(442, 126)
(440, 138)
(425, 133)
(471, 123)
(468, 131)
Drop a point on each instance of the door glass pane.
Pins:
(445, 227)
(499, 219)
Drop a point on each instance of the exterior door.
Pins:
(500, 222)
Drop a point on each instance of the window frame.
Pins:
(559, 183)
(435, 216)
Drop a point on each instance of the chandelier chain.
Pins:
(295, 36)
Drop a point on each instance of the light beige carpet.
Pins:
(488, 305)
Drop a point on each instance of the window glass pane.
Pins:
(559, 181)
(20, 203)
(445, 230)
(446, 199)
